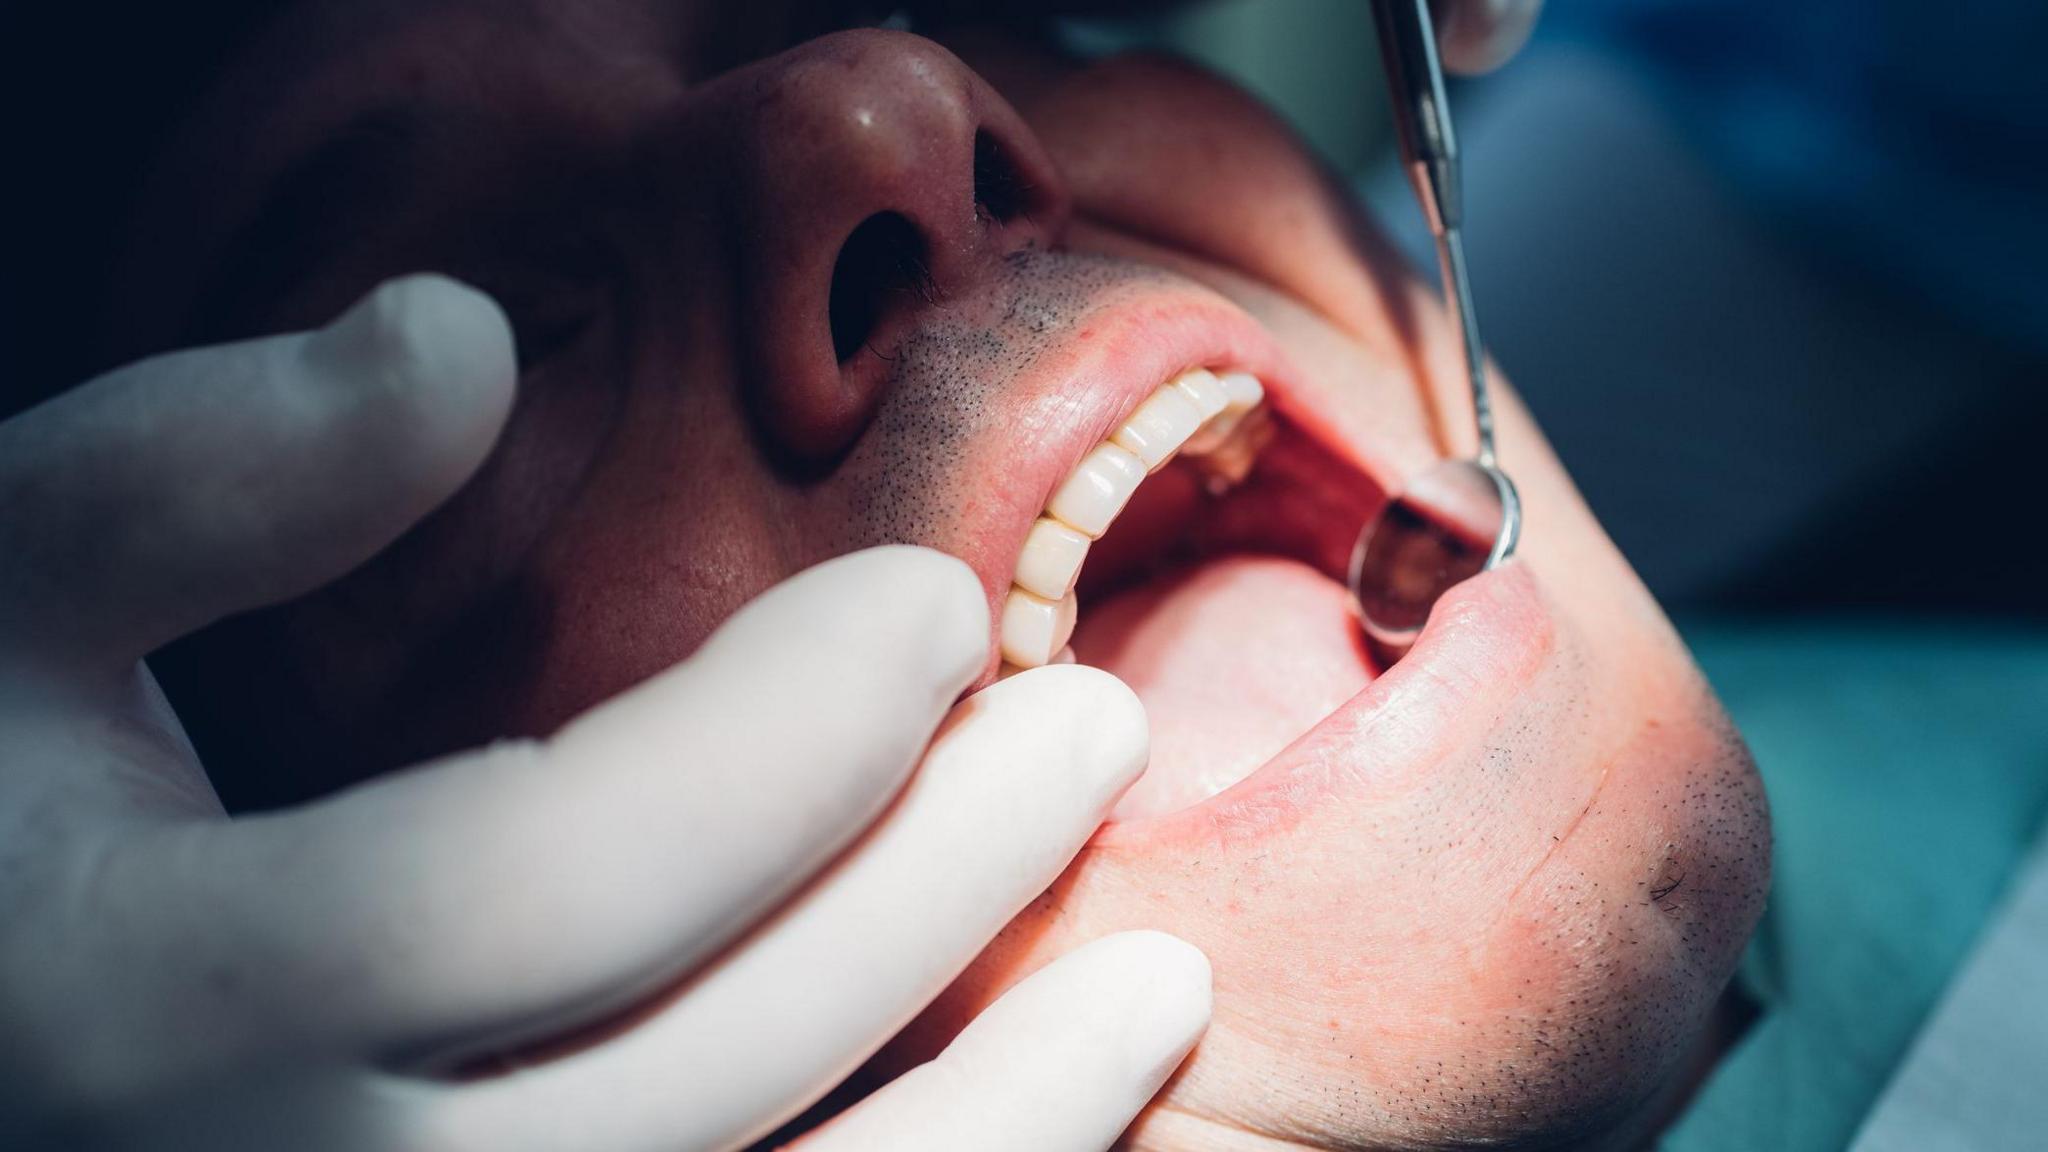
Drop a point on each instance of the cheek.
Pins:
(1603, 970)
(664, 537)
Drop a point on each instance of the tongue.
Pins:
(1235, 659)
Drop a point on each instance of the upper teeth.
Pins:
(1051, 559)
(1198, 412)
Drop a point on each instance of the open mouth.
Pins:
(1198, 554)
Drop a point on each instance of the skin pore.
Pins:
(780, 297)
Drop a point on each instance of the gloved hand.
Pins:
(724, 869)
(1477, 36)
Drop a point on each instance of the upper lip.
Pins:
(1119, 351)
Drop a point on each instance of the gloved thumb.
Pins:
(172, 492)
(1476, 36)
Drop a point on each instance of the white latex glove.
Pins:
(1480, 35)
(735, 835)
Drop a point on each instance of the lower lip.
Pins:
(1484, 641)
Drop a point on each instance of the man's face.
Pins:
(848, 294)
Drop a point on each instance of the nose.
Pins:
(873, 176)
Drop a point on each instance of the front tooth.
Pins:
(1051, 559)
(1035, 628)
(1160, 426)
(1205, 390)
(1063, 656)
(1097, 490)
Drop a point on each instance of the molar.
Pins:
(1226, 464)
(1241, 392)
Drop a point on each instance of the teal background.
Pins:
(1907, 767)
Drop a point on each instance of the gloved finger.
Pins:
(1061, 1063)
(509, 893)
(306, 1109)
(1017, 781)
(172, 492)
(1476, 36)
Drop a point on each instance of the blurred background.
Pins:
(1774, 278)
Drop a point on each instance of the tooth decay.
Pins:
(1197, 412)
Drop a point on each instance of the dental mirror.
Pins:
(1454, 521)
(1460, 517)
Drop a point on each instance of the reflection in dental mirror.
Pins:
(1453, 522)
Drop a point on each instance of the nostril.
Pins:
(883, 260)
(1000, 189)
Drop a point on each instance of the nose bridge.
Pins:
(865, 175)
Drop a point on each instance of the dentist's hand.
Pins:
(1480, 35)
(719, 883)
